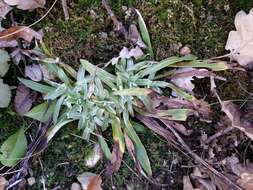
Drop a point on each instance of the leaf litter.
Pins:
(156, 117)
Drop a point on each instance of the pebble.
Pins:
(31, 181)
(185, 50)
(75, 186)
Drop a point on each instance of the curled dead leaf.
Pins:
(3, 183)
(27, 4)
(90, 181)
(10, 35)
(34, 72)
(4, 9)
(240, 42)
(235, 116)
(116, 160)
(24, 99)
(187, 183)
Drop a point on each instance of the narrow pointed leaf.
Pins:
(145, 34)
(37, 86)
(42, 112)
(118, 134)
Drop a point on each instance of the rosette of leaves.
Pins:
(97, 100)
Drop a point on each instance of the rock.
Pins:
(185, 50)
(31, 181)
(75, 186)
(3, 183)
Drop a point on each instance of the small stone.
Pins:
(3, 183)
(185, 51)
(31, 181)
(75, 186)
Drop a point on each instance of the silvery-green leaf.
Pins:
(105, 147)
(58, 108)
(36, 86)
(4, 65)
(5, 94)
(56, 92)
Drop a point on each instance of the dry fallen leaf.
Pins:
(234, 114)
(90, 181)
(116, 160)
(13, 33)
(183, 77)
(187, 183)
(24, 99)
(26, 4)
(3, 183)
(34, 72)
(126, 54)
(4, 9)
(240, 42)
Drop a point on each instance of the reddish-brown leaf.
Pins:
(178, 126)
(16, 32)
(95, 183)
(154, 126)
(115, 163)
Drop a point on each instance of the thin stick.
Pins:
(65, 9)
(117, 24)
(201, 161)
(218, 134)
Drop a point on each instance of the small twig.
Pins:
(117, 24)
(203, 162)
(65, 9)
(218, 134)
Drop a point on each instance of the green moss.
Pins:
(201, 25)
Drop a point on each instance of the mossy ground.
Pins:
(202, 25)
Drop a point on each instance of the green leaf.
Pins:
(145, 34)
(180, 92)
(4, 65)
(42, 112)
(5, 94)
(58, 108)
(37, 86)
(118, 134)
(158, 66)
(105, 147)
(141, 152)
(139, 127)
(55, 128)
(56, 70)
(13, 149)
(216, 66)
(133, 92)
(61, 89)
(103, 75)
(171, 114)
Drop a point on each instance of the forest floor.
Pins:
(202, 25)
